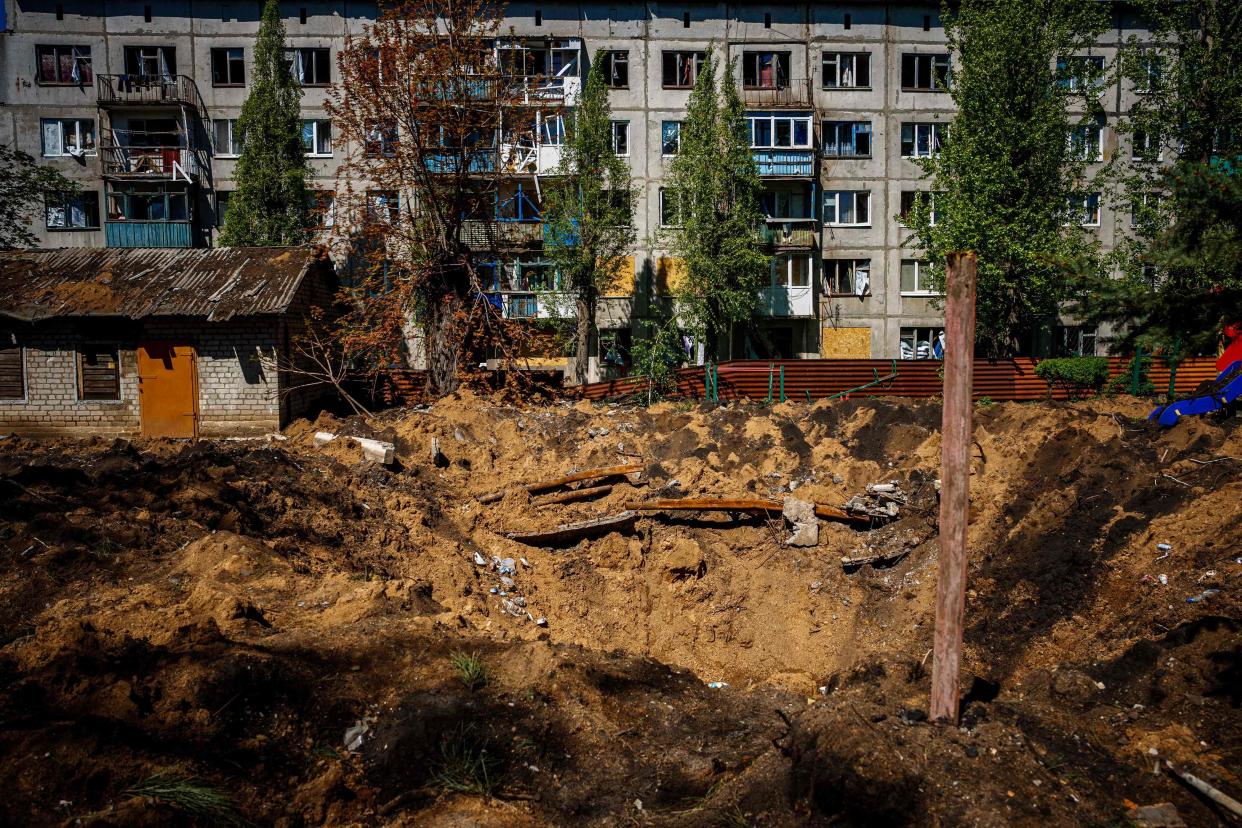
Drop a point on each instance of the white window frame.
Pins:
(318, 125)
(935, 137)
(64, 202)
(1091, 151)
(1136, 149)
(832, 269)
(772, 118)
(1072, 81)
(660, 218)
(1081, 207)
(1143, 200)
(786, 279)
(60, 124)
(916, 332)
(931, 203)
(920, 278)
(837, 127)
(837, 197)
(664, 154)
(233, 150)
(624, 127)
(837, 62)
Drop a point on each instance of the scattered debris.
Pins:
(573, 495)
(1162, 815)
(622, 522)
(548, 485)
(1222, 799)
(801, 515)
(377, 450)
(355, 735)
(718, 685)
(438, 458)
(745, 505)
(882, 501)
(1202, 596)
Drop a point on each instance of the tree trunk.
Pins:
(585, 308)
(444, 342)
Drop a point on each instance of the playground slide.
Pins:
(1225, 390)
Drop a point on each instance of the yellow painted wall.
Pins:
(671, 274)
(846, 343)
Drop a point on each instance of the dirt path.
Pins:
(228, 610)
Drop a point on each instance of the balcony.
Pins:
(530, 305)
(793, 93)
(785, 163)
(791, 234)
(481, 235)
(147, 90)
(149, 234)
(525, 159)
(150, 162)
(782, 300)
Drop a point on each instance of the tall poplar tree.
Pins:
(714, 184)
(589, 211)
(269, 207)
(1007, 173)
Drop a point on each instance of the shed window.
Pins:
(12, 369)
(99, 373)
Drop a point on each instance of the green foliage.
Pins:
(269, 208)
(23, 183)
(191, 795)
(716, 186)
(657, 356)
(1127, 383)
(589, 209)
(470, 669)
(465, 766)
(1077, 374)
(1181, 268)
(984, 402)
(1005, 174)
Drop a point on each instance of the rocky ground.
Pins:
(275, 632)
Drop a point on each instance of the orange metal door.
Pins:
(168, 389)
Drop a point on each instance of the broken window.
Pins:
(786, 204)
(670, 138)
(67, 136)
(228, 67)
(681, 69)
(765, 70)
(71, 211)
(621, 137)
(309, 67)
(68, 65)
(151, 61)
(847, 208)
(382, 140)
(617, 69)
(911, 197)
(12, 367)
(99, 373)
(925, 73)
(921, 140)
(847, 139)
(847, 277)
(846, 70)
(921, 343)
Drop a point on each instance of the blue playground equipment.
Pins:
(1218, 394)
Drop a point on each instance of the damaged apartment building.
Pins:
(138, 103)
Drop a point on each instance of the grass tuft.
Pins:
(191, 795)
(470, 669)
(465, 765)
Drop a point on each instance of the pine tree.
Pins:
(1004, 176)
(714, 187)
(589, 211)
(269, 207)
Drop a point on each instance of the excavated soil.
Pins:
(228, 610)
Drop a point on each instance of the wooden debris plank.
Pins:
(573, 496)
(547, 485)
(738, 505)
(566, 532)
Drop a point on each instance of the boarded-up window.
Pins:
(99, 373)
(12, 370)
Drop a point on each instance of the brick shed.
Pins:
(158, 342)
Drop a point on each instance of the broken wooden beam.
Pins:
(750, 506)
(577, 477)
(567, 532)
(573, 495)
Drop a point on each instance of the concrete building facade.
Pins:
(135, 101)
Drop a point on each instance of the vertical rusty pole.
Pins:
(959, 352)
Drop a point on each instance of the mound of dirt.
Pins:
(370, 641)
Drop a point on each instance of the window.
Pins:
(670, 209)
(323, 208)
(1080, 72)
(68, 65)
(775, 129)
(621, 137)
(151, 61)
(228, 67)
(846, 70)
(922, 140)
(791, 271)
(71, 211)
(1144, 210)
(847, 208)
(228, 140)
(222, 205)
(1074, 340)
(12, 368)
(765, 70)
(921, 343)
(670, 138)
(309, 67)
(786, 204)
(1150, 70)
(317, 138)
(681, 69)
(847, 277)
(552, 131)
(99, 373)
(381, 141)
(68, 136)
(148, 202)
(383, 206)
(1146, 147)
(151, 132)
(617, 69)
(916, 279)
(847, 139)
(1084, 210)
(910, 197)
(1086, 142)
(925, 73)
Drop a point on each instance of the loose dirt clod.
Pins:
(267, 617)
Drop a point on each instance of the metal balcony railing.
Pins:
(151, 162)
(147, 90)
(785, 92)
(481, 235)
(791, 234)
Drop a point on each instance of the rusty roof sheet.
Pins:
(215, 283)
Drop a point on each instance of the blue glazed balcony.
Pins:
(785, 163)
(149, 234)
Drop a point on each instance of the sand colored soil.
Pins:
(227, 610)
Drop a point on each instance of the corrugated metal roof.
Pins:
(216, 283)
